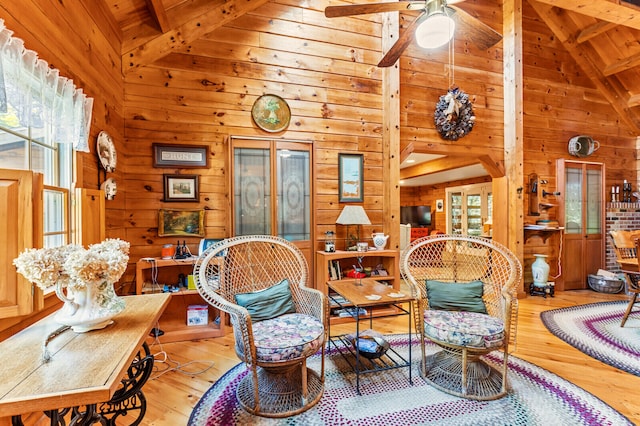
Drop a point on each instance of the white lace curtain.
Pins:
(41, 97)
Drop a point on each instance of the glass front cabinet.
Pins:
(468, 208)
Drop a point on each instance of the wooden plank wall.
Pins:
(324, 69)
(560, 102)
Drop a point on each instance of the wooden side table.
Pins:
(352, 295)
(101, 367)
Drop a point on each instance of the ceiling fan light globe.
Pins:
(435, 31)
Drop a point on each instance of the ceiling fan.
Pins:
(433, 27)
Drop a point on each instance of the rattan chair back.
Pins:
(253, 263)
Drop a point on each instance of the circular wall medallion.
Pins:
(271, 113)
(106, 151)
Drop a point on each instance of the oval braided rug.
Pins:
(537, 397)
(595, 330)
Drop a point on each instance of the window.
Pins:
(24, 148)
(43, 118)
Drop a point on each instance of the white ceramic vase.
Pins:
(540, 270)
(91, 307)
(379, 240)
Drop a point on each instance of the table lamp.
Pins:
(353, 215)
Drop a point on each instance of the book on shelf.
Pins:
(336, 264)
(351, 312)
(335, 273)
(337, 300)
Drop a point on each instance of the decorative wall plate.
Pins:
(271, 113)
(106, 152)
(110, 188)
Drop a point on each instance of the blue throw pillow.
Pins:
(268, 303)
(456, 296)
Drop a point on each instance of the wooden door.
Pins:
(272, 190)
(581, 213)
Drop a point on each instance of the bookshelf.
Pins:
(173, 321)
(333, 266)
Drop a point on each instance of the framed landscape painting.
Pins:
(181, 188)
(181, 223)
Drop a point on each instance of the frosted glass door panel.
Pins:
(594, 202)
(252, 191)
(294, 195)
(573, 201)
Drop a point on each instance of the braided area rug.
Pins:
(537, 397)
(595, 330)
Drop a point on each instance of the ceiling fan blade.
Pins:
(474, 30)
(363, 9)
(401, 44)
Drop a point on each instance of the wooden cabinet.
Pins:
(342, 261)
(151, 277)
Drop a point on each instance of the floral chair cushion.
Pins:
(462, 328)
(286, 337)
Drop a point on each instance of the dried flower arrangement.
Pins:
(72, 265)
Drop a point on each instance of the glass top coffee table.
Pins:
(354, 297)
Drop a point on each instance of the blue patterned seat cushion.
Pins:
(286, 337)
(464, 328)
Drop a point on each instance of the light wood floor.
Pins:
(172, 394)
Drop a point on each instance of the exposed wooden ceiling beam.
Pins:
(493, 167)
(594, 31)
(438, 165)
(216, 16)
(406, 152)
(564, 29)
(606, 10)
(159, 14)
(622, 65)
(634, 101)
(457, 149)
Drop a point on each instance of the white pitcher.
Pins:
(379, 240)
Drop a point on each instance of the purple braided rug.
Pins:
(595, 330)
(537, 397)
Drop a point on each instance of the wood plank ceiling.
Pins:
(603, 36)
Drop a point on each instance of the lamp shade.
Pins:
(435, 31)
(353, 215)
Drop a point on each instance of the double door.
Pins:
(468, 208)
(272, 190)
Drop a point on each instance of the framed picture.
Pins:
(183, 156)
(350, 172)
(181, 223)
(181, 188)
(439, 205)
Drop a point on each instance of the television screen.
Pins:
(417, 216)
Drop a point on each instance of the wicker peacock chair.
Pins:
(465, 288)
(261, 282)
